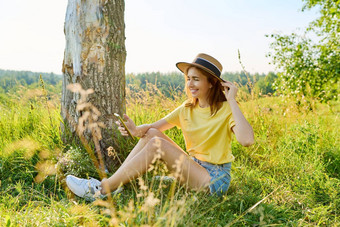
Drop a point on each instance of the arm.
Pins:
(242, 129)
(139, 131)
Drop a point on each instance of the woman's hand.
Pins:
(129, 124)
(137, 131)
(230, 90)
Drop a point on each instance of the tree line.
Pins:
(12, 81)
(170, 84)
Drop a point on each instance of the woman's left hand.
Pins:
(230, 90)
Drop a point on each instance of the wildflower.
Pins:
(150, 202)
(111, 152)
(142, 186)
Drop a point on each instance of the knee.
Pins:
(152, 132)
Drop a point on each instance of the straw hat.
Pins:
(205, 62)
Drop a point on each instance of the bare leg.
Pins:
(191, 173)
(151, 133)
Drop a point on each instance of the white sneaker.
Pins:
(87, 189)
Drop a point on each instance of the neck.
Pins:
(203, 103)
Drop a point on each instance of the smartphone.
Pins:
(122, 121)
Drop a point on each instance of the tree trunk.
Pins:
(95, 58)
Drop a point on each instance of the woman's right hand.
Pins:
(230, 90)
(129, 124)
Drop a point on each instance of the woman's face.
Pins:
(197, 83)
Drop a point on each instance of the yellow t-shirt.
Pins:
(207, 138)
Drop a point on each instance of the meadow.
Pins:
(289, 177)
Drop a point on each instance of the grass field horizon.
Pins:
(289, 177)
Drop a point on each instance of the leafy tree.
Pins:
(307, 67)
(265, 84)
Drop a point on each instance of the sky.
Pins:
(158, 33)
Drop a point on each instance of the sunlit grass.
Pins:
(291, 172)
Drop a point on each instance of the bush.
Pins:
(76, 161)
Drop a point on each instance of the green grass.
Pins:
(292, 170)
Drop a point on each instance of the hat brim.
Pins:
(183, 67)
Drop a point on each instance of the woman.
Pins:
(207, 121)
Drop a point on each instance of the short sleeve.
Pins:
(231, 121)
(174, 117)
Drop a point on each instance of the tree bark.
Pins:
(95, 58)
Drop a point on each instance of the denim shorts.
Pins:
(220, 176)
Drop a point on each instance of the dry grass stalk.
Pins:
(89, 121)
